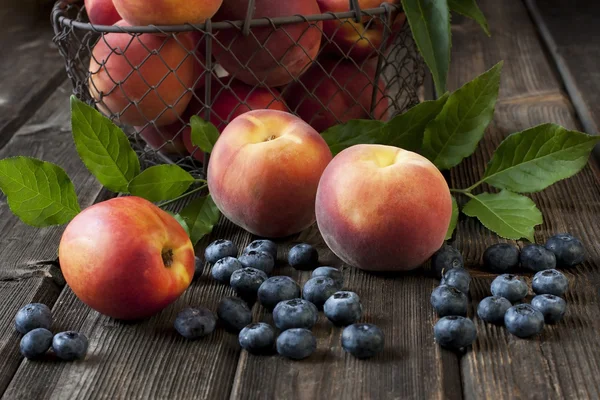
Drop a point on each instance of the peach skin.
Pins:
(167, 12)
(101, 12)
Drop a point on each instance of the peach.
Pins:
(102, 12)
(381, 208)
(166, 139)
(167, 12)
(142, 78)
(126, 258)
(268, 57)
(264, 171)
(336, 92)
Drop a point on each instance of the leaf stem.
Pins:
(200, 181)
(183, 196)
(466, 192)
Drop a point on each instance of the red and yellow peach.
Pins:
(167, 12)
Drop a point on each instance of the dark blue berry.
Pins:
(220, 249)
(70, 345)
(492, 309)
(224, 268)
(295, 313)
(568, 250)
(194, 323)
(198, 267)
(448, 300)
(36, 343)
(259, 260)
(511, 287)
(363, 340)
(33, 316)
(454, 332)
(550, 281)
(332, 273)
(535, 257)
(303, 257)
(501, 257)
(267, 246)
(234, 313)
(257, 338)
(318, 290)
(297, 343)
(343, 308)
(445, 259)
(246, 282)
(552, 307)
(458, 278)
(277, 289)
(523, 320)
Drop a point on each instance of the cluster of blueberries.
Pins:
(34, 322)
(450, 299)
(295, 310)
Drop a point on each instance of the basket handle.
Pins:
(354, 6)
(249, 14)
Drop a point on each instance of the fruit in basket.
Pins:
(381, 208)
(336, 91)
(264, 172)
(126, 258)
(166, 139)
(270, 57)
(102, 12)
(358, 40)
(167, 12)
(155, 89)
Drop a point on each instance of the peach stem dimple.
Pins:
(167, 256)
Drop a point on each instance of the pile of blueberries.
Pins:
(295, 310)
(34, 322)
(505, 306)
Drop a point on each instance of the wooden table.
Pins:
(551, 74)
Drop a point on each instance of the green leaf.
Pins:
(358, 131)
(456, 131)
(510, 215)
(470, 9)
(103, 147)
(453, 219)
(201, 215)
(406, 130)
(204, 134)
(38, 192)
(181, 221)
(161, 182)
(534, 159)
(430, 25)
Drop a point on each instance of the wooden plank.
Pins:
(564, 361)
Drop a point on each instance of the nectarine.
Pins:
(167, 12)
(102, 12)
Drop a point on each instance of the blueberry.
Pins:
(318, 290)
(501, 257)
(523, 320)
(259, 260)
(295, 313)
(33, 316)
(454, 332)
(234, 313)
(257, 338)
(36, 343)
(303, 256)
(297, 343)
(224, 268)
(263, 245)
(511, 287)
(550, 281)
(445, 259)
(277, 289)
(568, 250)
(537, 258)
(458, 278)
(70, 345)
(332, 273)
(448, 300)
(492, 309)
(246, 282)
(220, 249)
(362, 340)
(198, 267)
(343, 308)
(552, 307)
(194, 323)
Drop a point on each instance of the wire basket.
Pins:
(326, 68)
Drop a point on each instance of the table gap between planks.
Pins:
(148, 360)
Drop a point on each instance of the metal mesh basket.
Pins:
(326, 68)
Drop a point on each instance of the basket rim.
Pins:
(61, 19)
